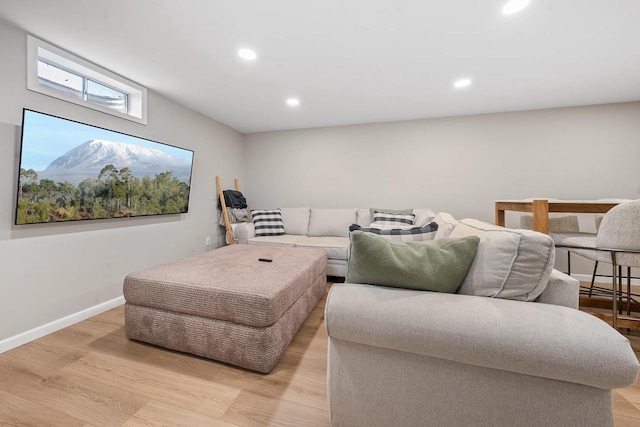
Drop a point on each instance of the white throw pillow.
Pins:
(423, 217)
(446, 223)
(363, 217)
(510, 264)
(331, 222)
(296, 220)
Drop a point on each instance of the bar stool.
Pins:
(617, 242)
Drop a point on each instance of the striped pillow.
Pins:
(414, 234)
(382, 218)
(268, 222)
(391, 226)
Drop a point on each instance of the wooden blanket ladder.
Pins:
(225, 215)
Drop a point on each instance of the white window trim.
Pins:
(137, 94)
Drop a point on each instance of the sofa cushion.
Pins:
(511, 264)
(413, 234)
(382, 218)
(331, 222)
(335, 247)
(438, 265)
(284, 240)
(446, 223)
(296, 220)
(267, 222)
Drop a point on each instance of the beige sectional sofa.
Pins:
(510, 348)
(326, 229)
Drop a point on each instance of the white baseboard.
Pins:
(587, 278)
(35, 333)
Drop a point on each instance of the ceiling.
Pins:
(352, 61)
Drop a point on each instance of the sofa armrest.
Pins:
(561, 290)
(542, 340)
(243, 231)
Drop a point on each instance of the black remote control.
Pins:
(265, 259)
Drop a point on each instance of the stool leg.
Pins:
(614, 288)
(569, 263)
(593, 278)
(628, 291)
(620, 289)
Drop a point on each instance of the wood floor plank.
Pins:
(157, 414)
(293, 386)
(88, 401)
(632, 395)
(625, 411)
(42, 358)
(185, 391)
(83, 333)
(116, 344)
(16, 411)
(255, 410)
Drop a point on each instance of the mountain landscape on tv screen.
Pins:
(104, 179)
(88, 159)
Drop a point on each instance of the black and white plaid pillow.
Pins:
(415, 234)
(382, 218)
(268, 222)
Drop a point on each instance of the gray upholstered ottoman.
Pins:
(225, 304)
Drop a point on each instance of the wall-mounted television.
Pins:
(73, 171)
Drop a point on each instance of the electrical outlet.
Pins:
(207, 241)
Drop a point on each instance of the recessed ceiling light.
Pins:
(514, 6)
(293, 102)
(459, 84)
(247, 54)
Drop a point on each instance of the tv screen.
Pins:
(73, 171)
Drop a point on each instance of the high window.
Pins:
(55, 72)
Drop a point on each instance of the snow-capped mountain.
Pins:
(88, 159)
(98, 152)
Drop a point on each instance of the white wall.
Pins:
(53, 270)
(460, 165)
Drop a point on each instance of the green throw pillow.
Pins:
(436, 265)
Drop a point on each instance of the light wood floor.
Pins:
(90, 374)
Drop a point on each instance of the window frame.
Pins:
(136, 94)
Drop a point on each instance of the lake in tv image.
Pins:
(74, 171)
